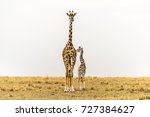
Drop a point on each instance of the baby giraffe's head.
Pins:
(79, 49)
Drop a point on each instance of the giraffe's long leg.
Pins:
(67, 81)
(71, 78)
(73, 61)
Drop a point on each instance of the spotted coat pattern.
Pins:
(81, 69)
(69, 56)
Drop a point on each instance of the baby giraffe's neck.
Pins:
(81, 57)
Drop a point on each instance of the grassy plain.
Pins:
(47, 88)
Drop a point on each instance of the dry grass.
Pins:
(44, 88)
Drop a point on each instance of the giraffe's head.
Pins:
(71, 15)
(80, 49)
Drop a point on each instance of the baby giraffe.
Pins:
(81, 70)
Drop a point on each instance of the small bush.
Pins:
(56, 83)
(10, 95)
(47, 82)
(39, 82)
(49, 87)
(106, 89)
(3, 89)
(141, 89)
(121, 88)
(131, 90)
(30, 85)
(11, 89)
(92, 88)
(145, 98)
(62, 85)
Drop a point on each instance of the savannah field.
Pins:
(47, 88)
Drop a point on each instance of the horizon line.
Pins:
(77, 76)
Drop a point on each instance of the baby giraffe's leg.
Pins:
(79, 82)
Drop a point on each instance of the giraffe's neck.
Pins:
(70, 31)
(81, 57)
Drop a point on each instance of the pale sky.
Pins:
(115, 35)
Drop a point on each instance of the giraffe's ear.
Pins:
(74, 14)
(67, 14)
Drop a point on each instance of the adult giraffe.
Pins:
(69, 56)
